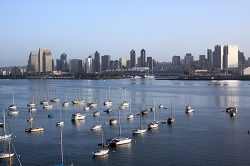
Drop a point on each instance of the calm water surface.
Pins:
(209, 136)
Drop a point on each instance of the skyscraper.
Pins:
(230, 56)
(105, 62)
(150, 62)
(210, 59)
(143, 58)
(62, 64)
(123, 62)
(176, 60)
(44, 60)
(89, 67)
(133, 58)
(225, 57)
(33, 62)
(76, 66)
(97, 66)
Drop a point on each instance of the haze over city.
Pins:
(79, 28)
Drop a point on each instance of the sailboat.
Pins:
(124, 102)
(108, 101)
(103, 150)
(55, 99)
(144, 110)
(161, 105)
(232, 108)
(153, 124)
(60, 122)
(5, 154)
(171, 119)
(92, 104)
(44, 102)
(119, 140)
(153, 108)
(140, 129)
(188, 107)
(149, 76)
(77, 100)
(130, 115)
(30, 119)
(33, 129)
(96, 126)
(4, 135)
(32, 104)
(65, 103)
(13, 106)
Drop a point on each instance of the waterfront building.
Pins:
(62, 64)
(115, 65)
(225, 57)
(44, 60)
(123, 62)
(132, 58)
(210, 59)
(176, 60)
(143, 58)
(89, 66)
(96, 63)
(76, 66)
(33, 62)
(105, 62)
(150, 62)
(241, 58)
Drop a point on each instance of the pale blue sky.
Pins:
(114, 27)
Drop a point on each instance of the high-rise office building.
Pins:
(133, 58)
(225, 57)
(150, 63)
(105, 62)
(44, 60)
(33, 62)
(76, 66)
(210, 59)
(230, 56)
(123, 62)
(176, 60)
(218, 57)
(241, 58)
(143, 58)
(89, 66)
(114, 65)
(97, 65)
(62, 64)
(188, 59)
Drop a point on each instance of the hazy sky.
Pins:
(114, 27)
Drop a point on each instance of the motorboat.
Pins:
(86, 108)
(13, 112)
(34, 129)
(96, 113)
(47, 106)
(96, 127)
(113, 121)
(77, 116)
(76, 101)
(32, 109)
(188, 107)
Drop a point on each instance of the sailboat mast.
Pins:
(119, 123)
(4, 130)
(61, 147)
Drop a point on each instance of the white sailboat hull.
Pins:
(101, 152)
(6, 155)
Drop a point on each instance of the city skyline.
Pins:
(163, 29)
